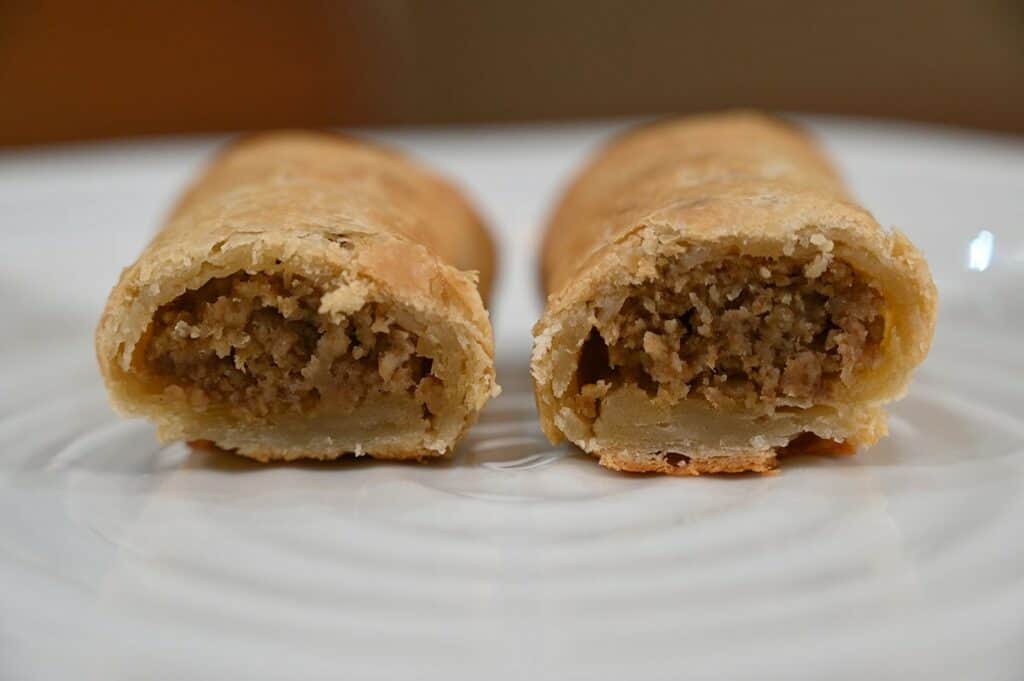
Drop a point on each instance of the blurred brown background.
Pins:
(74, 70)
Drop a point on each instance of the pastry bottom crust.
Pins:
(272, 455)
(765, 461)
(672, 463)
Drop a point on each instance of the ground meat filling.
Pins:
(736, 332)
(256, 345)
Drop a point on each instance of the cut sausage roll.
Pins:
(716, 299)
(310, 296)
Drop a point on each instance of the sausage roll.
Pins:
(310, 296)
(716, 298)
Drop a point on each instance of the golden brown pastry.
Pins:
(716, 298)
(310, 296)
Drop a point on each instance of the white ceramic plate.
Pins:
(124, 559)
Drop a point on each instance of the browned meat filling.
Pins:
(256, 344)
(735, 331)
